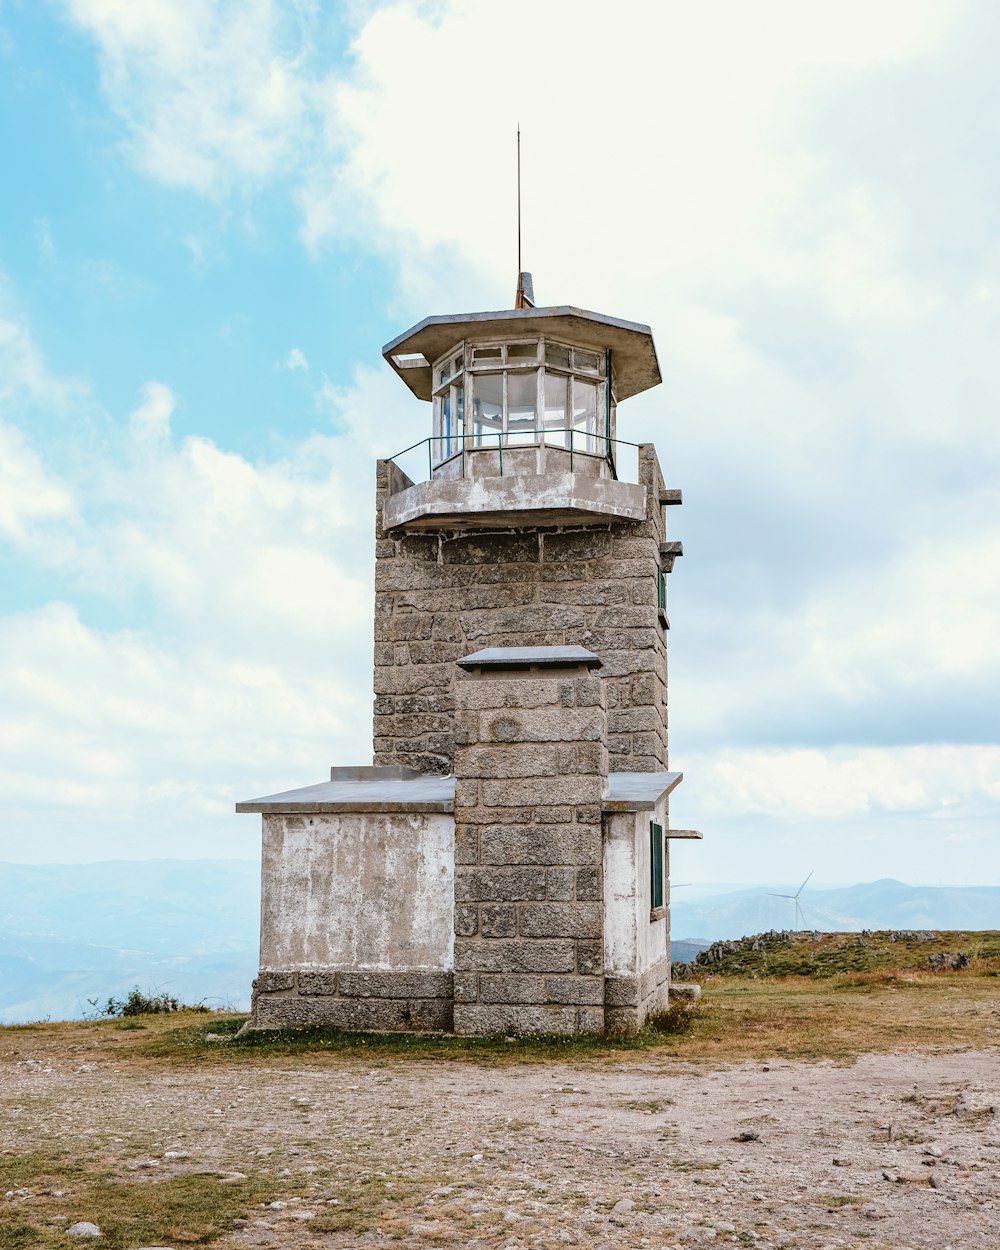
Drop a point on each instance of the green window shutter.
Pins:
(661, 590)
(655, 866)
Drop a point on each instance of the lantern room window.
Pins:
(489, 395)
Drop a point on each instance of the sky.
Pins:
(214, 214)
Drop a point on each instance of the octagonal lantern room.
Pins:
(524, 417)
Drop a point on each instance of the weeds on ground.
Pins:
(138, 1003)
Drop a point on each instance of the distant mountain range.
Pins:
(885, 904)
(73, 932)
(70, 933)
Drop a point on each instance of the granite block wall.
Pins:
(530, 766)
(441, 595)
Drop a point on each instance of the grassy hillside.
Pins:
(888, 952)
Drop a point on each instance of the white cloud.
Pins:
(28, 491)
(801, 784)
(151, 420)
(295, 360)
(249, 587)
(211, 91)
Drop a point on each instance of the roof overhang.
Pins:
(636, 367)
(638, 792)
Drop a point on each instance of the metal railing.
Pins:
(540, 436)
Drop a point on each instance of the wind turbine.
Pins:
(795, 898)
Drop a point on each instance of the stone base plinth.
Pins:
(378, 1002)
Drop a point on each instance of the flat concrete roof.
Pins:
(356, 790)
(633, 351)
(518, 657)
(637, 792)
(419, 793)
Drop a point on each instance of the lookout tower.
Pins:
(523, 531)
(503, 864)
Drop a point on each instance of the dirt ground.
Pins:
(642, 1150)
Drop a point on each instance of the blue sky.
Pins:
(214, 214)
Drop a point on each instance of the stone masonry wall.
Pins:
(531, 765)
(442, 595)
(379, 1001)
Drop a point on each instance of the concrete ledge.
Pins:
(637, 792)
(409, 792)
(522, 499)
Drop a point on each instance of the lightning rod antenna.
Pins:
(525, 297)
(519, 200)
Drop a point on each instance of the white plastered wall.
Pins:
(632, 942)
(358, 891)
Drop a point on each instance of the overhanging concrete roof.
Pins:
(637, 792)
(518, 657)
(634, 354)
(358, 790)
(417, 793)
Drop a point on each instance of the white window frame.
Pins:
(592, 436)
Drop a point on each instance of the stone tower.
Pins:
(523, 534)
(503, 864)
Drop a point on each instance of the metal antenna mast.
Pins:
(525, 297)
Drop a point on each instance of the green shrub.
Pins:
(136, 1003)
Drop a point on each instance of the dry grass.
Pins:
(838, 1017)
(56, 1191)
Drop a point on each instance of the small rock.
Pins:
(231, 1178)
(173, 1155)
(278, 1205)
(871, 1212)
(622, 1207)
(747, 1135)
(83, 1228)
(935, 1151)
(841, 1163)
(725, 1227)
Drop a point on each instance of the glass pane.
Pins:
(486, 353)
(444, 373)
(445, 446)
(556, 355)
(487, 407)
(522, 351)
(656, 866)
(456, 365)
(459, 410)
(521, 396)
(586, 360)
(555, 409)
(584, 414)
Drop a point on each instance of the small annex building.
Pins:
(503, 863)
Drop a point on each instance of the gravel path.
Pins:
(892, 1151)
